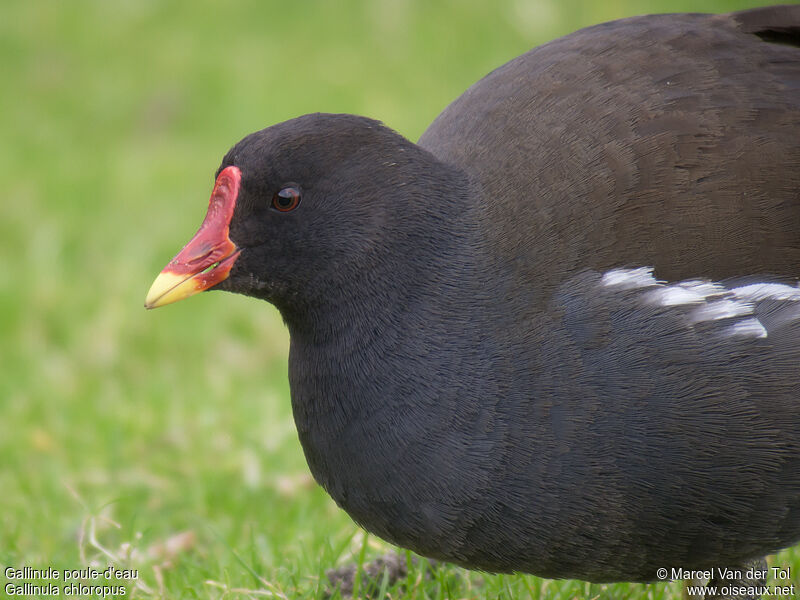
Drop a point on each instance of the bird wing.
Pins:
(702, 381)
(668, 140)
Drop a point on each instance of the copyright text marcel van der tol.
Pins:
(88, 581)
(733, 582)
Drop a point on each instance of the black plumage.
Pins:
(482, 371)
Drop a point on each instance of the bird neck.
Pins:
(374, 368)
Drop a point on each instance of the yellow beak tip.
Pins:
(168, 288)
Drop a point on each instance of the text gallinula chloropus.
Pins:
(484, 368)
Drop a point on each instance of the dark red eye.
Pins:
(287, 199)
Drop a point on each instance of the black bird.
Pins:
(561, 333)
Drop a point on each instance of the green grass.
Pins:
(163, 441)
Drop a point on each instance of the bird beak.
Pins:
(208, 257)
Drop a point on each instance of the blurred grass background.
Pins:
(164, 440)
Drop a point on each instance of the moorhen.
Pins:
(561, 333)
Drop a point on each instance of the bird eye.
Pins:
(287, 199)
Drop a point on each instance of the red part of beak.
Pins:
(208, 257)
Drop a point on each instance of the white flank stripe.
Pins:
(673, 295)
(749, 327)
(712, 301)
(721, 309)
(627, 279)
(764, 291)
(694, 291)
